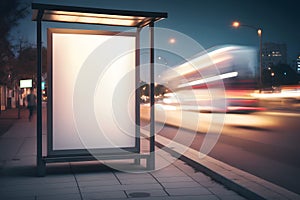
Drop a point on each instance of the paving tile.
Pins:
(86, 183)
(24, 161)
(138, 180)
(179, 162)
(18, 197)
(150, 186)
(124, 176)
(36, 187)
(151, 193)
(28, 147)
(146, 187)
(10, 146)
(95, 177)
(176, 179)
(13, 181)
(59, 197)
(45, 191)
(180, 184)
(104, 195)
(17, 171)
(188, 191)
(100, 188)
(170, 168)
(165, 173)
(127, 166)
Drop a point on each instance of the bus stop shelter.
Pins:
(92, 16)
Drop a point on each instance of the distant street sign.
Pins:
(27, 83)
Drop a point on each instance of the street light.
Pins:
(172, 40)
(162, 60)
(237, 24)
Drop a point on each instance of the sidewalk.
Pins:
(94, 180)
(7, 119)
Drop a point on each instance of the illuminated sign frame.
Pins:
(59, 102)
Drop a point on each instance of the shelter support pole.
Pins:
(137, 161)
(41, 168)
(151, 160)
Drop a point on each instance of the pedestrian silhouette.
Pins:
(31, 103)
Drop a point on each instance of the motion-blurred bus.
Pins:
(218, 80)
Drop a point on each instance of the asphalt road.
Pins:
(265, 144)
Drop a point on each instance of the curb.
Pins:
(245, 184)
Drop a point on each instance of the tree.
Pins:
(25, 66)
(10, 13)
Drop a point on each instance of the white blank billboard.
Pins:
(93, 89)
(27, 83)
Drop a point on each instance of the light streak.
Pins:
(210, 79)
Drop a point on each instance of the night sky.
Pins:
(207, 21)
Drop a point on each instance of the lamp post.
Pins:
(237, 24)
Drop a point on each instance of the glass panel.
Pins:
(93, 91)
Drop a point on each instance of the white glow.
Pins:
(168, 107)
(92, 18)
(26, 83)
(172, 40)
(210, 79)
(224, 58)
(283, 94)
(70, 53)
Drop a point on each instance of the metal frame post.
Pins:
(151, 161)
(137, 95)
(41, 168)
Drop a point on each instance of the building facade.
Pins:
(273, 54)
(297, 64)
